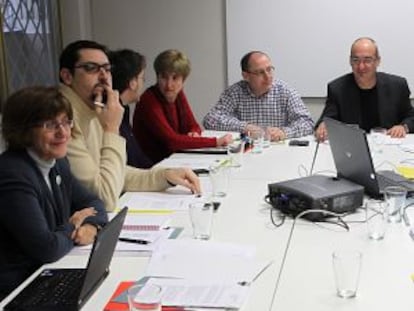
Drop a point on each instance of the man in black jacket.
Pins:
(368, 98)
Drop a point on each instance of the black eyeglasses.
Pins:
(91, 67)
(263, 72)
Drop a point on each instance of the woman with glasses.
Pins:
(163, 120)
(44, 210)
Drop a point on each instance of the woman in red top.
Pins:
(163, 121)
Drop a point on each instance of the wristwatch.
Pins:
(407, 130)
(98, 227)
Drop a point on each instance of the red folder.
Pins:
(123, 306)
(118, 306)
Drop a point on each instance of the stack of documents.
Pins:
(205, 260)
(199, 274)
(218, 134)
(158, 202)
(142, 233)
(185, 160)
(205, 273)
(187, 293)
(182, 293)
(407, 148)
(146, 222)
(143, 230)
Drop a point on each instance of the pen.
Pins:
(244, 283)
(171, 308)
(129, 240)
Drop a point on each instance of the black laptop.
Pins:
(69, 289)
(352, 157)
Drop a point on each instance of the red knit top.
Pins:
(162, 128)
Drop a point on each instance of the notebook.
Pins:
(69, 289)
(352, 157)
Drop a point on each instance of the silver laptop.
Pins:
(69, 289)
(352, 157)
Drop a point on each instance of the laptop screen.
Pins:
(102, 253)
(351, 154)
(73, 286)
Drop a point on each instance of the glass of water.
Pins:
(378, 136)
(144, 297)
(395, 197)
(257, 137)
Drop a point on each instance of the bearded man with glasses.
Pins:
(97, 152)
(260, 101)
(368, 98)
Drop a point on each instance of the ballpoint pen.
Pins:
(246, 283)
(136, 241)
(171, 308)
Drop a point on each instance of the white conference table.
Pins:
(307, 280)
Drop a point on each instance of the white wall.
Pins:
(197, 27)
(192, 26)
(76, 20)
(312, 39)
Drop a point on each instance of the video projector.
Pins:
(333, 194)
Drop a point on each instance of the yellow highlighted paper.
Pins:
(406, 171)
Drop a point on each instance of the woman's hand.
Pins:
(85, 234)
(193, 134)
(225, 140)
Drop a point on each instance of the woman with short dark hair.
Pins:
(44, 210)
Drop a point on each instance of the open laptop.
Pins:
(69, 289)
(352, 157)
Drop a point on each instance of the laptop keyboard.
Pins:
(384, 181)
(59, 287)
(390, 178)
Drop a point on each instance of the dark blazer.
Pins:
(135, 155)
(33, 229)
(343, 101)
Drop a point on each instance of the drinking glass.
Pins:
(201, 216)
(235, 151)
(376, 216)
(144, 297)
(257, 137)
(395, 197)
(347, 267)
(219, 177)
(377, 137)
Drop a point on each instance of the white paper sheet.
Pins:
(176, 292)
(205, 260)
(156, 202)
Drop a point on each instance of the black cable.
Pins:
(280, 214)
(314, 158)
